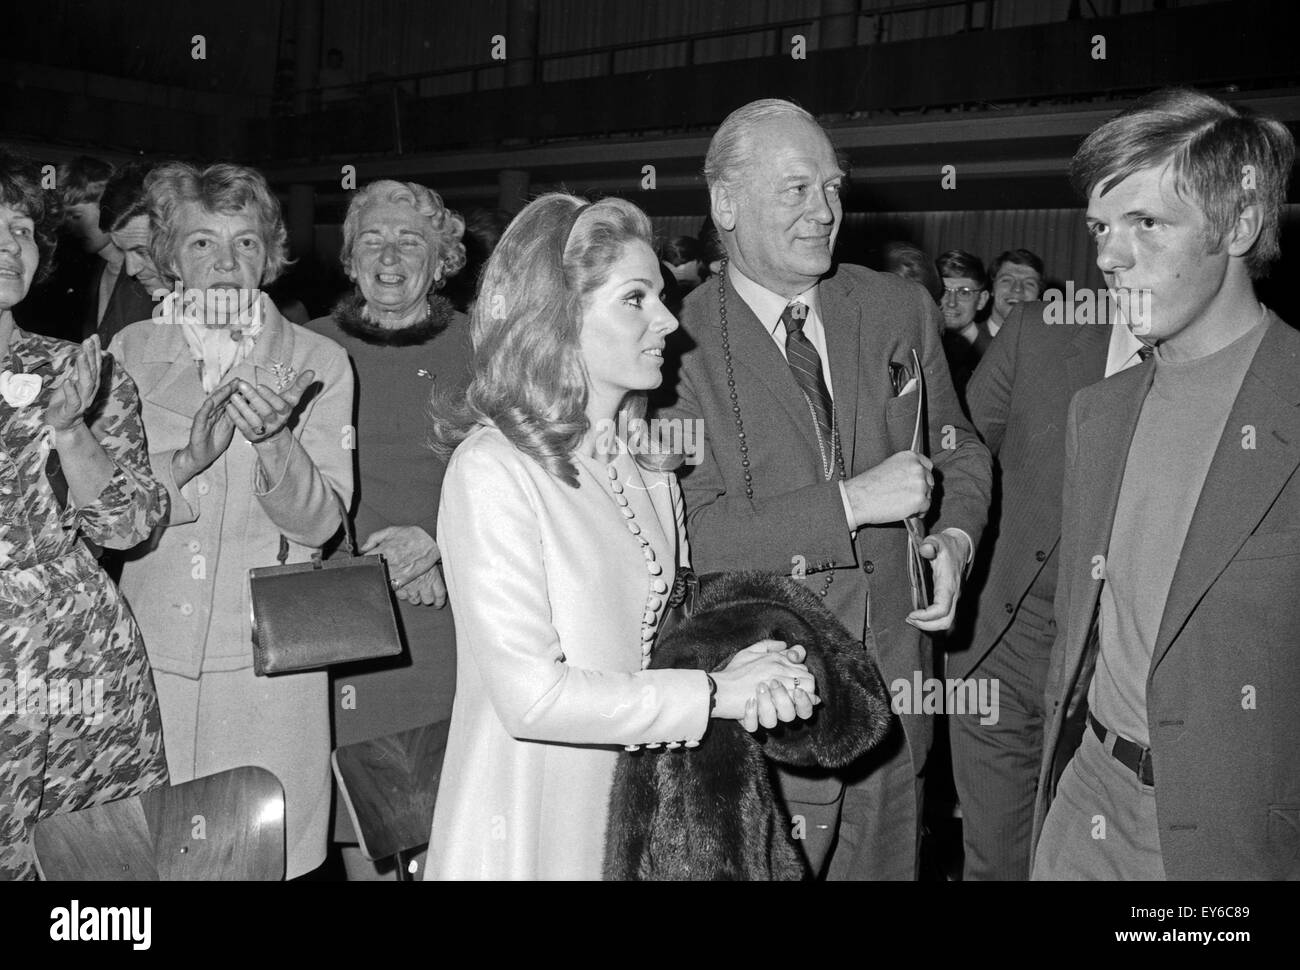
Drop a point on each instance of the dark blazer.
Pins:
(963, 357)
(66, 305)
(796, 521)
(129, 303)
(1019, 397)
(1221, 690)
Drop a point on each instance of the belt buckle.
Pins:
(1146, 771)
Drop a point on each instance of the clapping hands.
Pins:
(76, 387)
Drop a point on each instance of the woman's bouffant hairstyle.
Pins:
(220, 188)
(1222, 158)
(529, 377)
(20, 189)
(448, 226)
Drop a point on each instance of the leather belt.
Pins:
(1130, 754)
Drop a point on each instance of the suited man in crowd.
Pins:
(110, 297)
(801, 376)
(966, 337)
(124, 216)
(1018, 398)
(1180, 538)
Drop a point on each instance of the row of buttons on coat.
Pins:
(187, 609)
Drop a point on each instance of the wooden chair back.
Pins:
(227, 826)
(389, 786)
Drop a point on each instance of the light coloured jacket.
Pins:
(188, 585)
(550, 591)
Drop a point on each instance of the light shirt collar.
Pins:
(1123, 350)
(769, 306)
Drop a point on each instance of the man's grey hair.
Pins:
(729, 150)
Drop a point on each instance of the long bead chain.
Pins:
(740, 423)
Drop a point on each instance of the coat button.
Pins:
(868, 566)
(203, 488)
(186, 609)
(1009, 608)
(194, 545)
(1040, 555)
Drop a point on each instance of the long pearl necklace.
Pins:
(740, 423)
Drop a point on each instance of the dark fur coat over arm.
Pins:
(711, 812)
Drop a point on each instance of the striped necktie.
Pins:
(1145, 353)
(806, 366)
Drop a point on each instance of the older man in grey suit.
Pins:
(801, 375)
(1180, 539)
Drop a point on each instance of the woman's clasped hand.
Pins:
(765, 684)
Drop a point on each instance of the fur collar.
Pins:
(349, 312)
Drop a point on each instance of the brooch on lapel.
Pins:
(284, 374)
(19, 390)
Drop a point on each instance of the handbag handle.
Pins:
(349, 536)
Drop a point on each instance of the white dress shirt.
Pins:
(768, 307)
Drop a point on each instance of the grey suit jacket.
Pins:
(796, 520)
(1019, 397)
(1221, 689)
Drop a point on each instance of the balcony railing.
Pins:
(1044, 62)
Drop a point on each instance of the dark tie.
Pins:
(1145, 352)
(806, 366)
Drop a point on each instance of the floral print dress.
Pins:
(79, 721)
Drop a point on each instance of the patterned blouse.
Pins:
(38, 523)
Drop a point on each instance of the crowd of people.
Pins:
(1109, 515)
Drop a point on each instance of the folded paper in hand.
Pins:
(917, 575)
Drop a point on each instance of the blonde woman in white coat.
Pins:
(559, 546)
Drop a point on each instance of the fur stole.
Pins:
(349, 313)
(711, 812)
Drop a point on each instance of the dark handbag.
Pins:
(314, 614)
